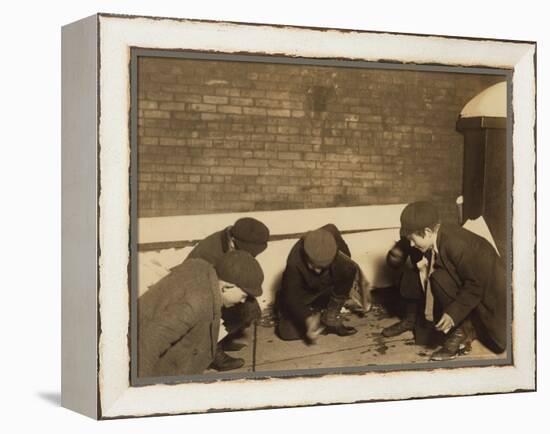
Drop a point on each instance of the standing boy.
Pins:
(465, 289)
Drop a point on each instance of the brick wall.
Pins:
(219, 136)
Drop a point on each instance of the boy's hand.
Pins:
(445, 324)
(397, 256)
(314, 327)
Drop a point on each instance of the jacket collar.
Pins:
(227, 241)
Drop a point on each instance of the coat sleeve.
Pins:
(294, 293)
(159, 333)
(473, 268)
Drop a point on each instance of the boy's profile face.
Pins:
(231, 294)
(422, 242)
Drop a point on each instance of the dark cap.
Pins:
(250, 235)
(417, 216)
(241, 269)
(320, 247)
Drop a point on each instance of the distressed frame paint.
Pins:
(117, 35)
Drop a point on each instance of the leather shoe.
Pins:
(340, 330)
(398, 328)
(224, 362)
(457, 344)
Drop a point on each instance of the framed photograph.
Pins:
(267, 216)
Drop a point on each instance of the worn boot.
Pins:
(224, 362)
(458, 343)
(405, 325)
(332, 319)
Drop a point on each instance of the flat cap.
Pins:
(241, 269)
(417, 216)
(250, 235)
(320, 247)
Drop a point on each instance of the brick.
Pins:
(212, 117)
(272, 172)
(147, 105)
(255, 163)
(188, 98)
(287, 189)
(241, 153)
(289, 155)
(235, 162)
(228, 92)
(248, 171)
(149, 140)
(154, 123)
(159, 96)
(178, 106)
(253, 93)
(313, 156)
(265, 154)
(186, 187)
(297, 106)
(254, 111)
(267, 103)
(304, 164)
(241, 101)
(278, 95)
(280, 113)
(196, 169)
(230, 109)
(157, 114)
(222, 170)
(327, 165)
(215, 99)
(207, 108)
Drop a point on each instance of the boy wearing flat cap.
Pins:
(465, 289)
(179, 317)
(318, 278)
(249, 235)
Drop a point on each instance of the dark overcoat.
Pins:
(179, 321)
(470, 271)
(212, 247)
(301, 287)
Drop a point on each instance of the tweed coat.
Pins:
(472, 274)
(179, 320)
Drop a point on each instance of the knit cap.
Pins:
(241, 269)
(320, 247)
(250, 235)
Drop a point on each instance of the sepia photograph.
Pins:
(295, 216)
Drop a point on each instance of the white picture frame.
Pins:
(96, 217)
